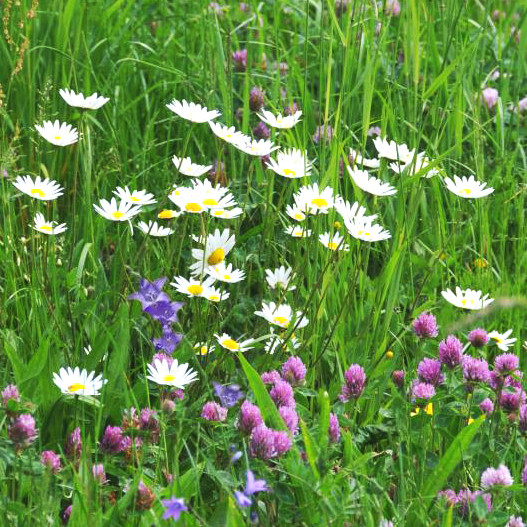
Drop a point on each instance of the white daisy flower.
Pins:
(228, 133)
(93, 102)
(352, 212)
(78, 382)
(333, 242)
(215, 295)
(167, 214)
(255, 147)
(226, 214)
(192, 111)
(467, 299)
(295, 213)
(60, 134)
(202, 348)
(502, 340)
(298, 232)
(188, 168)
(391, 150)
(467, 187)
(188, 200)
(359, 160)
(279, 121)
(280, 277)
(176, 375)
(370, 184)
(123, 211)
(313, 201)
(137, 197)
(153, 229)
(282, 315)
(366, 230)
(216, 248)
(276, 341)
(290, 164)
(227, 342)
(225, 273)
(192, 287)
(47, 227)
(43, 189)
(213, 196)
(421, 162)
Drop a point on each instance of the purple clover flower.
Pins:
(261, 131)
(74, 444)
(239, 59)
(466, 497)
(150, 292)
(270, 377)
(282, 442)
(524, 472)
(250, 417)
(506, 363)
(212, 411)
(475, 370)
(51, 461)
(10, 393)
(323, 133)
(422, 391)
(425, 325)
(490, 97)
(478, 337)
(515, 521)
(282, 394)
(290, 418)
(493, 477)
(112, 440)
(398, 378)
(22, 430)
(486, 406)
(450, 351)
(429, 370)
(256, 99)
(511, 399)
(98, 473)
(262, 443)
(334, 428)
(522, 418)
(355, 380)
(294, 371)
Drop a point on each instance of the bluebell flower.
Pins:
(229, 394)
(150, 292)
(164, 311)
(168, 341)
(175, 506)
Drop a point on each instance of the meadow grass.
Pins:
(418, 76)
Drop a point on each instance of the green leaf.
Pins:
(10, 346)
(226, 515)
(310, 449)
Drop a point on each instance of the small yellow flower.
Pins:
(389, 354)
(480, 262)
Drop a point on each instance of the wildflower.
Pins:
(465, 497)
(352, 212)
(239, 59)
(47, 227)
(490, 97)
(112, 440)
(66, 513)
(310, 199)
(295, 213)
(515, 521)
(522, 419)
(366, 230)
(203, 348)
(192, 111)
(153, 229)
(43, 189)
(429, 370)
(212, 411)
(278, 121)
(393, 7)
(174, 507)
(450, 351)
(145, 497)
(467, 299)
(78, 382)
(422, 391)
(162, 357)
(524, 472)
(227, 342)
(282, 315)
(136, 197)
(10, 393)
(334, 428)
(228, 394)
(282, 442)
(290, 418)
(254, 147)
(252, 486)
(270, 377)
(60, 134)
(226, 214)
(291, 164)
(216, 248)
(98, 473)
(511, 399)
(124, 211)
(294, 371)
(493, 477)
(250, 417)
(188, 168)
(502, 340)
(369, 184)
(256, 99)
(282, 394)
(298, 232)
(425, 325)
(93, 102)
(164, 312)
(486, 406)
(506, 363)
(74, 444)
(467, 187)
(150, 292)
(228, 134)
(280, 278)
(260, 131)
(277, 341)
(225, 273)
(355, 380)
(334, 242)
(356, 159)
(192, 287)
(168, 341)
(323, 132)
(391, 150)
(478, 337)
(475, 370)
(415, 165)
(50, 461)
(398, 378)
(176, 375)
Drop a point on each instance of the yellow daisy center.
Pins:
(226, 276)
(299, 216)
(337, 225)
(465, 191)
(319, 202)
(76, 387)
(168, 378)
(193, 207)
(210, 202)
(46, 228)
(165, 214)
(281, 320)
(117, 215)
(218, 212)
(364, 233)
(289, 172)
(58, 138)
(333, 246)
(203, 350)
(214, 298)
(497, 339)
(195, 289)
(217, 256)
(38, 192)
(133, 198)
(231, 344)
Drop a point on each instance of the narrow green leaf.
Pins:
(310, 449)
